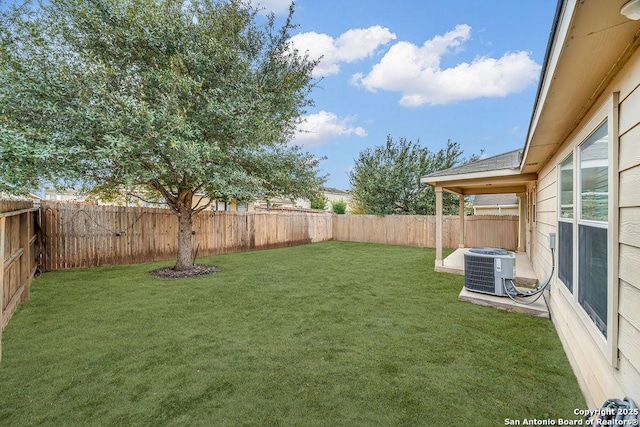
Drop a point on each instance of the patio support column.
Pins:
(522, 226)
(439, 227)
(461, 242)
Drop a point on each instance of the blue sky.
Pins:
(421, 69)
(427, 70)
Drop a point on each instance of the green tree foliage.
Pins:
(385, 180)
(170, 98)
(319, 201)
(339, 207)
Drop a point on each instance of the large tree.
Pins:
(385, 180)
(188, 100)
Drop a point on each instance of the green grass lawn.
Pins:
(327, 334)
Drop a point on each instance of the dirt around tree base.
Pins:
(195, 270)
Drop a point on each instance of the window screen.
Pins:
(594, 176)
(566, 188)
(592, 274)
(592, 226)
(565, 223)
(565, 254)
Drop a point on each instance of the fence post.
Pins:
(25, 237)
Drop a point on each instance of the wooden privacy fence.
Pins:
(78, 236)
(496, 231)
(18, 256)
(410, 230)
(417, 230)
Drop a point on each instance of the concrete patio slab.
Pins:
(525, 277)
(537, 309)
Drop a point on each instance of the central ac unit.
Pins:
(487, 269)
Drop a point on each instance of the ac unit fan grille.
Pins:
(479, 274)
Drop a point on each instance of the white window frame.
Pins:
(577, 197)
(608, 111)
(571, 221)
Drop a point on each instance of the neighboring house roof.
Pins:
(495, 200)
(51, 193)
(30, 196)
(334, 190)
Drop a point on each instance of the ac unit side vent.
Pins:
(479, 274)
(487, 270)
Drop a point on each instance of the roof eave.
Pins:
(593, 33)
(443, 179)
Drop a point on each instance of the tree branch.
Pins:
(128, 193)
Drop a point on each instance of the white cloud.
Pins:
(278, 7)
(416, 73)
(318, 128)
(351, 46)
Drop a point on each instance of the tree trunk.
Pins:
(185, 225)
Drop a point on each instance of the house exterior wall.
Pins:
(605, 367)
(496, 210)
(336, 197)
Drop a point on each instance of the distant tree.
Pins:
(319, 201)
(339, 207)
(385, 180)
(356, 208)
(181, 99)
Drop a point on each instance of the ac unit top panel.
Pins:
(489, 251)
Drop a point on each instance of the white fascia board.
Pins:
(474, 175)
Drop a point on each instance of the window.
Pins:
(221, 205)
(565, 224)
(532, 205)
(594, 174)
(592, 274)
(566, 188)
(242, 206)
(592, 226)
(583, 199)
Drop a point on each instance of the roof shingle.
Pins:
(510, 160)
